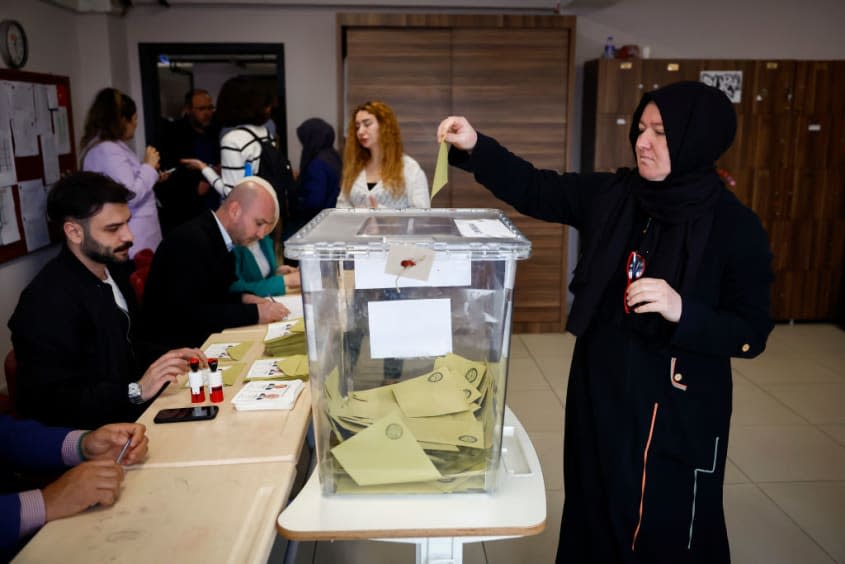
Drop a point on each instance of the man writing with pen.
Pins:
(95, 458)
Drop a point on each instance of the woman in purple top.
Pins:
(111, 121)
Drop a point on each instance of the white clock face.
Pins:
(16, 43)
(13, 45)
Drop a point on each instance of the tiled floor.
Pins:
(785, 480)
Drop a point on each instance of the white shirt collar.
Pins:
(226, 238)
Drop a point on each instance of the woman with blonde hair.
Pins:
(376, 172)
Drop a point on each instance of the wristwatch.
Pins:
(135, 393)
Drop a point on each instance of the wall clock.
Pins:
(13, 45)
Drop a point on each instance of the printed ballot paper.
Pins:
(267, 395)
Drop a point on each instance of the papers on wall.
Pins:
(62, 130)
(23, 119)
(9, 230)
(33, 197)
(255, 396)
(42, 121)
(410, 328)
(49, 158)
(8, 173)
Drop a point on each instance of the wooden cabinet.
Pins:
(788, 160)
(512, 77)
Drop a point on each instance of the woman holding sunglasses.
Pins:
(674, 280)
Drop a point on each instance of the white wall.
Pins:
(97, 51)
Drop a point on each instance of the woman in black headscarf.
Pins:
(319, 169)
(673, 281)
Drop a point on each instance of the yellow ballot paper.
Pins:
(458, 429)
(441, 170)
(237, 352)
(436, 393)
(472, 371)
(295, 366)
(385, 453)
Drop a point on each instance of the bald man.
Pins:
(187, 297)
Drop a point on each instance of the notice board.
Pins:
(36, 148)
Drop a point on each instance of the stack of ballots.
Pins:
(285, 338)
(279, 368)
(425, 434)
(262, 395)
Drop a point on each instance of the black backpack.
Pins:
(275, 168)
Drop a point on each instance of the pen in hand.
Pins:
(123, 451)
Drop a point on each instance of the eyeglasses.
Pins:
(635, 268)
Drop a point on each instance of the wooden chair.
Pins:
(7, 400)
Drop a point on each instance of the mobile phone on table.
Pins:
(182, 414)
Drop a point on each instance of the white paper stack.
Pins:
(267, 395)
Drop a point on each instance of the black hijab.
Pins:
(317, 138)
(700, 123)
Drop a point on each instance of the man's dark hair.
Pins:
(81, 195)
(243, 101)
(189, 96)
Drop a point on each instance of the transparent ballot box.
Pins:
(408, 326)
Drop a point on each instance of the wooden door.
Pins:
(410, 70)
(512, 84)
(511, 77)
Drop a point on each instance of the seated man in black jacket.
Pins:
(187, 296)
(78, 362)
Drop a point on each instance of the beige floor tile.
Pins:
(779, 367)
(816, 402)
(760, 532)
(549, 344)
(524, 374)
(754, 406)
(537, 549)
(818, 508)
(782, 453)
(734, 475)
(549, 447)
(835, 431)
(518, 349)
(537, 410)
(556, 372)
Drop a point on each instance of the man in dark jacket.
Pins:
(72, 331)
(185, 194)
(187, 295)
(95, 478)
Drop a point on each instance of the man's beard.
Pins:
(102, 254)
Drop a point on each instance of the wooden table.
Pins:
(438, 524)
(209, 491)
(233, 436)
(182, 514)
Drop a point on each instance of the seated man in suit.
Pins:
(79, 362)
(27, 445)
(187, 295)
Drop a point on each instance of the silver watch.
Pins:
(135, 393)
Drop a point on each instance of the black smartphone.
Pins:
(180, 414)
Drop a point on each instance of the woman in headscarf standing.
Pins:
(319, 171)
(674, 280)
(110, 123)
(376, 171)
